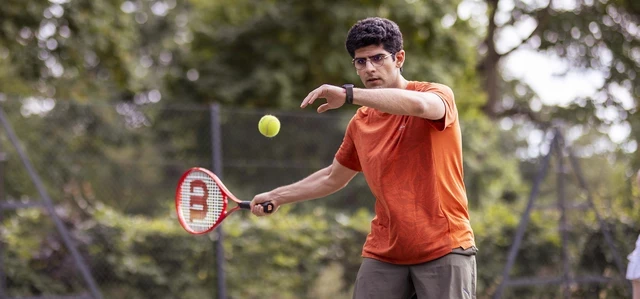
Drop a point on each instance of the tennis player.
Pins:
(406, 141)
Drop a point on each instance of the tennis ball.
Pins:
(269, 125)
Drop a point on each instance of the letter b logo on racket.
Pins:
(198, 202)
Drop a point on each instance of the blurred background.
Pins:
(111, 101)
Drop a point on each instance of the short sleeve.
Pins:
(347, 154)
(451, 112)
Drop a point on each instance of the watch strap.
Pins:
(349, 90)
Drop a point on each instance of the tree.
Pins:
(596, 35)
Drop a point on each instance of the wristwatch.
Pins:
(349, 89)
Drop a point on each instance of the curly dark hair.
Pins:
(374, 31)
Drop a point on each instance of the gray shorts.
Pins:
(451, 276)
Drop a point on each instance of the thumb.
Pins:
(324, 107)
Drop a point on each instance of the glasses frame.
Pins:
(370, 60)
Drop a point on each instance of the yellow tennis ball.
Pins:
(269, 125)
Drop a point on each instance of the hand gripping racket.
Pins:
(202, 201)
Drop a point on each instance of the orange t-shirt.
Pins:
(413, 167)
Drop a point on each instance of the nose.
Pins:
(369, 66)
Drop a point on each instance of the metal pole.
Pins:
(603, 225)
(84, 270)
(566, 278)
(216, 159)
(513, 251)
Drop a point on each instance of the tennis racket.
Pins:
(202, 201)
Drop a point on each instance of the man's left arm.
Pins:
(397, 101)
(401, 102)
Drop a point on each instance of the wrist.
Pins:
(277, 198)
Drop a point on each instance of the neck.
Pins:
(401, 82)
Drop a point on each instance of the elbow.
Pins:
(429, 108)
(420, 109)
(334, 181)
(334, 184)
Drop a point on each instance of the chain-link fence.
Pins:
(111, 172)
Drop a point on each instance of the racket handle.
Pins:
(267, 206)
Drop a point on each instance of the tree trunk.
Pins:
(488, 67)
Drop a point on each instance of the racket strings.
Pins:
(202, 201)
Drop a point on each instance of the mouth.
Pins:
(373, 80)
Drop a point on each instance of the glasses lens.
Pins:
(360, 63)
(378, 60)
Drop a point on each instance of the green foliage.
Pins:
(140, 257)
(257, 54)
(143, 73)
(598, 37)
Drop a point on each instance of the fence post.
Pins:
(216, 159)
(3, 277)
(562, 205)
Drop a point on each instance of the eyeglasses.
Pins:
(376, 61)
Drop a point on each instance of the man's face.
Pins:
(378, 68)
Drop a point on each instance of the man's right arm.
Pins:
(319, 184)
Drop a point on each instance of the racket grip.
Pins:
(267, 206)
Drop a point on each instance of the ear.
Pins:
(400, 56)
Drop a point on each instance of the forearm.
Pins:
(400, 102)
(317, 185)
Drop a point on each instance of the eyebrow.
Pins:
(370, 56)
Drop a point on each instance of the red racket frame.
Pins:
(225, 193)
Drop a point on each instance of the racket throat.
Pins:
(246, 205)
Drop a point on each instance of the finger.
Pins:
(304, 102)
(318, 93)
(324, 107)
(311, 97)
(257, 210)
(308, 100)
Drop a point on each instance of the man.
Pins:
(406, 141)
